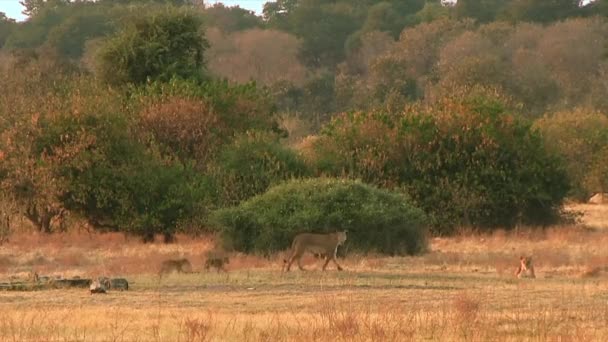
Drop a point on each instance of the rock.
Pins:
(120, 284)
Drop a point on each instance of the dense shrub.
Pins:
(251, 163)
(77, 151)
(227, 108)
(157, 46)
(114, 182)
(464, 160)
(187, 128)
(579, 136)
(377, 220)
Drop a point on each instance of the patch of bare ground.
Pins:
(464, 289)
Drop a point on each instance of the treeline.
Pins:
(163, 116)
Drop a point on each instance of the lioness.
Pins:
(178, 265)
(525, 269)
(217, 260)
(322, 244)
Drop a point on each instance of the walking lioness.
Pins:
(323, 244)
(179, 265)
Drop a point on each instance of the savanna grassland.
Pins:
(136, 131)
(463, 289)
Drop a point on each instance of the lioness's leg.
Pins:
(327, 258)
(289, 262)
(300, 263)
(336, 262)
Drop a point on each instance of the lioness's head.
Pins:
(341, 236)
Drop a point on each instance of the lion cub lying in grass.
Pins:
(526, 268)
(322, 244)
(175, 265)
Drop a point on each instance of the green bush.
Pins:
(465, 161)
(115, 183)
(160, 45)
(579, 137)
(251, 164)
(377, 220)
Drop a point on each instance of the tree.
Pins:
(265, 56)
(580, 136)
(69, 37)
(276, 13)
(33, 7)
(482, 11)
(231, 19)
(7, 25)
(465, 160)
(542, 11)
(157, 46)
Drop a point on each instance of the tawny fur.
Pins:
(218, 262)
(178, 265)
(320, 244)
(526, 268)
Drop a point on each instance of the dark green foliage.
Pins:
(482, 11)
(251, 164)
(225, 110)
(113, 182)
(579, 136)
(376, 220)
(542, 11)
(63, 26)
(231, 19)
(323, 31)
(6, 27)
(157, 46)
(466, 162)
(70, 36)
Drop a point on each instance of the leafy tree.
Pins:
(69, 37)
(323, 30)
(579, 136)
(7, 25)
(33, 7)
(432, 10)
(482, 11)
(252, 163)
(191, 120)
(156, 46)
(64, 27)
(541, 11)
(276, 13)
(264, 56)
(231, 19)
(465, 161)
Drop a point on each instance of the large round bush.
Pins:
(377, 220)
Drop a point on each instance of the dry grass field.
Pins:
(463, 290)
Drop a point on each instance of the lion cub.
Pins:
(175, 265)
(325, 245)
(526, 268)
(217, 260)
